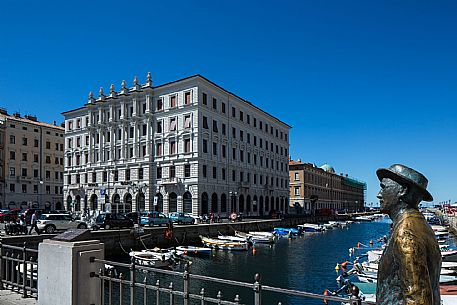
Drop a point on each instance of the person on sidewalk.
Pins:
(33, 222)
(409, 269)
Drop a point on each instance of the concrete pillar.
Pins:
(64, 270)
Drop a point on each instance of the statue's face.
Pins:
(389, 195)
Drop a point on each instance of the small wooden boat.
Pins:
(192, 250)
(235, 238)
(220, 244)
(151, 259)
(311, 227)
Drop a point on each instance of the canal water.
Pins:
(306, 263)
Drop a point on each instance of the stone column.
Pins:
(64, 270)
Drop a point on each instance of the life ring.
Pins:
(233, 216)
(168, 234)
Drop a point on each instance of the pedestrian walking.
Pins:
(33, 222)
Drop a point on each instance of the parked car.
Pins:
(112, 220)
(53, 222)
(8, 215)
(154, 218)
(133, 216)
(181, 218)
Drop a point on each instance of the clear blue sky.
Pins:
(363, 83)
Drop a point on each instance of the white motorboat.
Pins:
(310, 227)
(220, 244)
(257, 239)
(151, 259)
(233, 238)
(192, 250)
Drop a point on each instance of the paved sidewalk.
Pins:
(8, 297)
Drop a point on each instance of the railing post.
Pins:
(202, 293)
(172, 296)
(102, 286)
(132, 282)
(219, 297)
(356, 300)
(2, 269)
(24, 270)
(158, 292)
(257, 290)
(186, 285)
(121, 288)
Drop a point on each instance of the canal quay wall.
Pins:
(120, 242)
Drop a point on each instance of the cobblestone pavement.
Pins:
(8, 297)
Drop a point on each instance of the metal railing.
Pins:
(19, 270)
(126, 288)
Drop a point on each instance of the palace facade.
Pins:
(31, 156)
(188, 146)
(314, 188)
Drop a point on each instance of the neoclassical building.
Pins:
(313, 188)
(188, 145)
(31, 156)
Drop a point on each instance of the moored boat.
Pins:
(193, 250)
(220, 244)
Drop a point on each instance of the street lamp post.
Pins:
(233, 201)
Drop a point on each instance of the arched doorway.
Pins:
(141, 202)
(187, 202)
(277, 204)
(116, 203)
(214, 203)
(94, 202)
(172, 203)
(69, 200)
(85, 203)
(159, 206)
(267, 204)
(261, 209)
(254, 204)
(127, 203)
(223, 203)
(283, 208)
(204, 210)
(248, 204)
(59, 205)
(241, 204)
(78, 203)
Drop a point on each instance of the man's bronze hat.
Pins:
(407, 176)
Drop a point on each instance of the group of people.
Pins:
(19, 226)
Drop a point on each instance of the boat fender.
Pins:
(371, 243)
(326, 294)
(185, 252)
(344, 264)
(254, 250)
(358, 245)
(337, 267)
(168, 234)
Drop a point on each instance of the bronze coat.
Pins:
(409, 270)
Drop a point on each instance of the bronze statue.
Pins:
(409, 269)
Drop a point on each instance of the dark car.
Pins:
(8, 215)
(134, 216)
(113, 220)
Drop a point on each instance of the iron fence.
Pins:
(127, 288)
(19, 270)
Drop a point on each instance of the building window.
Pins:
(223, 129)
(214, 125)
(214, 172)
(215, 148)
(297, 191)
(48, 159)
(233, 112)
(159, 127)
(186, 145)
(205, 122)
(223, 173)
(204, 171)
(172, 124)
(12, 155)
(48, 145)
(297, 176)
(214, 103)
(12, 140)
(116, 175)
(127, 175)
(233, 132)
(159, 104)
(187, 121)
(35, 173)
(224, 151)
(48, 189)
(233, 153)
(145, 126)
(187, 98)
(204, 99)
(159, 149)
(140, 173)
(159, 173)
(241, 116)
(223, 107)
(35, 189)
(12, 188)
(172, 171)
(172, 150)
(105, 176)
(205, 146)
(131, 132)
(173, 101)
(187, 170)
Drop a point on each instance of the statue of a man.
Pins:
(409, 269)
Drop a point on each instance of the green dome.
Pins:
(329, 169)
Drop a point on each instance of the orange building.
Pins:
(320, 189)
